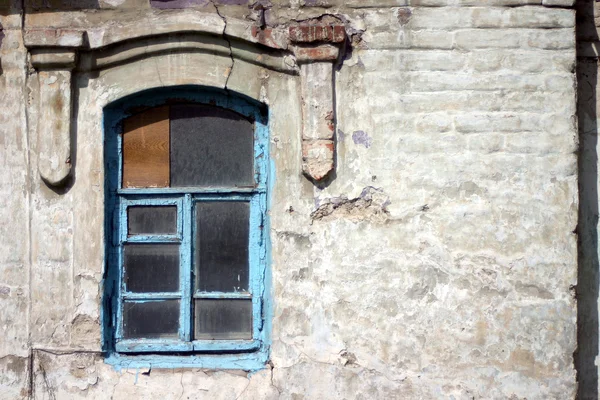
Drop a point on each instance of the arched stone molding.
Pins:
(226, 48)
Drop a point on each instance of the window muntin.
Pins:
(219, 293)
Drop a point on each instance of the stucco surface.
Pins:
(438, 261)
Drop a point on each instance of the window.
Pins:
(186, 223)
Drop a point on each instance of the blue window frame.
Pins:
(157, 316)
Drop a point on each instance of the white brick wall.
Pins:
(448, 272)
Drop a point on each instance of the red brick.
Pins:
(320, 53)
(317, 33)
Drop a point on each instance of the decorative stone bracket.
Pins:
(313, 45)
(53, 56)
(317, 48)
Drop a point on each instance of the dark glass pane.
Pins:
(151, 319)
(223, 319)
(152, 267)
(152, 220)
(210, 146)
(221, 249)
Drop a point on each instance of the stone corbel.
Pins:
(317, 48)
(53, 56)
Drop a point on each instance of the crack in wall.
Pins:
(244, 390)
(30, 375)
(146, 51)
(226, 38)
(29, 201)
(49, 388)
(181, 383)
(272, 381)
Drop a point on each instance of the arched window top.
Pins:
(228, 100)
(187, 137)
(188, 145)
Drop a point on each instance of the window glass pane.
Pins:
(221, 248)
(151, 267)
(152, 220)
(223, 319)
(210, 146)
(146, 149)
(151, 319)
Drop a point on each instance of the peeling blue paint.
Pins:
(341, 135)
(248, 355)
(361, 137)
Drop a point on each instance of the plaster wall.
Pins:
(439, 262)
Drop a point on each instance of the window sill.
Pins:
(169, 346)
(253, 361)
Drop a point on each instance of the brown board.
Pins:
(146, 149)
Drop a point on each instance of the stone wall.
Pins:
(439, 260)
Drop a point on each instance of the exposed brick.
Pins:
(317, 33)
(319, 53)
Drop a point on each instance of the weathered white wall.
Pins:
(15, 203)
(439, 262)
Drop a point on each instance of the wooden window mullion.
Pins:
(186, 270)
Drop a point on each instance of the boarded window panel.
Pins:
(151, 268)
(146, 149)
(210, 146)
(221, 248)
(223, 319)
(151, 319)
(143, 220)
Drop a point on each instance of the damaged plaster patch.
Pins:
(347, 358)
(361, 137)
(404, 15)
(371, 204)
